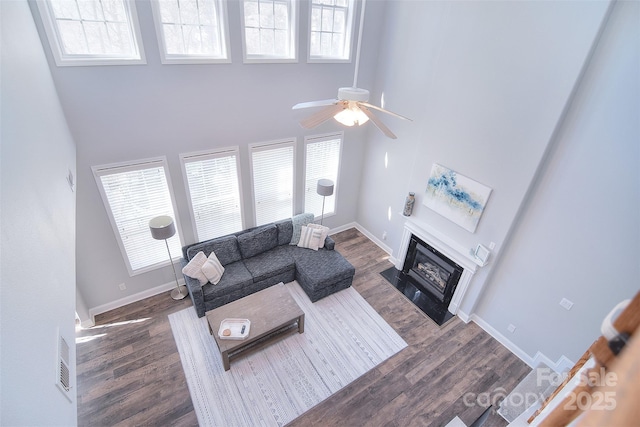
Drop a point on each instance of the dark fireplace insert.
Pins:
(431, 270)
(428, 278)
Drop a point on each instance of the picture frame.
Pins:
(456, 197)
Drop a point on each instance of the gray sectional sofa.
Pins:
(260, 257)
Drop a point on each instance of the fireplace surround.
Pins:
(462, 257)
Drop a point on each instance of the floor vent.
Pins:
(63, 374)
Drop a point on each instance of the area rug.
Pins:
(344, 337)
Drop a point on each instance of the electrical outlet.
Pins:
(511, 328)
(566, 304)
(122, 286)
(492, 245)
(384, 236)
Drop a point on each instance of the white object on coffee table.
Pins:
(235, 327)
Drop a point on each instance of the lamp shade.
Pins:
(351, 116)
(162, 227)
(325, 187)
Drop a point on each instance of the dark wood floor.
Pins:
(129, 371)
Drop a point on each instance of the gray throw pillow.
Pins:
(298, 221)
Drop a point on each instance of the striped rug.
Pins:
(343, 338)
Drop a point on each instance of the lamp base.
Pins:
(179, 293)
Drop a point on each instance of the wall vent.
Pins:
(63, 372)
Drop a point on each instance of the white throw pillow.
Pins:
(213, 269)
(309, 238)
(194, 268)
(298, 221)
(325, 233)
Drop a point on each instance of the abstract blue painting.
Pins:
(456, 197)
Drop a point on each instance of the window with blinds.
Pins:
(272, 169)
(269, 30)
(213, 184)
(191, 31)
(322, 161)
(133, 194)
(331, 29)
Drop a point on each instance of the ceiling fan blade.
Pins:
(314, 104)
(376, 121)
(366, 104)
(322, 115)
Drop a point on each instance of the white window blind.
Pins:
(100, 32)
(272, 166)
(269, 30)
(191, 31)
(213, 185)
(133, 194)
(330, 30)
(322, 162)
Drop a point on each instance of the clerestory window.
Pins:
(330, 30)
(92, 32)
(269, 30)
(191, 31)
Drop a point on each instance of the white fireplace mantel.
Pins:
(455, 251)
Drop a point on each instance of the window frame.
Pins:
(177, 59)
(293, 38)
(311, 139)
(102, 170)
(350, 29)
(64, 60)
(264, 146)
(205, 155)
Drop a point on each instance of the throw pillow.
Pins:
(325, 233)
(309, 238)
(298, 221)
(194, 268)
(213, 269)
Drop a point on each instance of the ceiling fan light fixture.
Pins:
(353, 94)
(352, 106)
(352, 115)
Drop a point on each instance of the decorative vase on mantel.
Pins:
(408, 204)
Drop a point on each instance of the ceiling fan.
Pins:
(352, 106)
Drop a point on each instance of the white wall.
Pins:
(120, 113)
(579, 235)
(486, 83)
(38, 230)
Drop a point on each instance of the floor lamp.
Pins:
(325, 188)
(162, 228)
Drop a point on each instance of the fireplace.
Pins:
(420, 277)
(431, 271)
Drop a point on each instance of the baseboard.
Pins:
(364, 231)
(374, 239)
(563, 364)
(93, 312)
(88, 323)
(342, 228)
(463, 316)
(558, 366)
